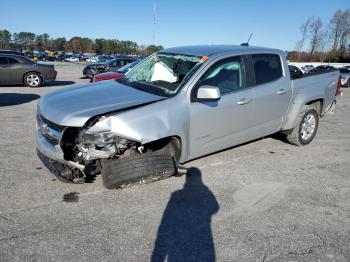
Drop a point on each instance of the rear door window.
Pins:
(3, 61)
(267, 68)
(12, 60)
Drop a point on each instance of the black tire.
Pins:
(298, 136)
(33, 79)
(141, 168)
(89, 73)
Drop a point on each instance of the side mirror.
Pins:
(208, 93)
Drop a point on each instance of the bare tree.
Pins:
(345, 34)
(339, 28)
(316, 34)
(304, 28)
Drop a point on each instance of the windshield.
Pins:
(162, 73)
(127, 67)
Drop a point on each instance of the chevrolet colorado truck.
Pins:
(176, 105)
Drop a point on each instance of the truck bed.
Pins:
(315, 86)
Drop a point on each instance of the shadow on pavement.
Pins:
(185, 231)
(60, 83)
(13, 99)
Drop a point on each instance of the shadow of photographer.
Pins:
(185, 230)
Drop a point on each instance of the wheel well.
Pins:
(42, 79)
(168, 145)
(318, 103)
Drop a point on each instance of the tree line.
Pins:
(327, 42)
(28, 41)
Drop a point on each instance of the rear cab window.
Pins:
(267, 68)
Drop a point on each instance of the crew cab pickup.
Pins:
(176, 105)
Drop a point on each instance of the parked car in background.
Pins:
(322, 69)
(295, 72)
(118, 74)
(177, 105)
(71, 59)
(92, 60)
(345, 76)
(51, 58)
(15, 69)
(307, 68)
(112, 65)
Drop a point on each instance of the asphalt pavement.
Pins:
(262, 201)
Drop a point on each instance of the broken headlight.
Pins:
(98, 138)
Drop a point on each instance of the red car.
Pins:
(114, 74)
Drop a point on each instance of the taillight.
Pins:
(338, 86)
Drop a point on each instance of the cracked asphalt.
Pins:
(262, 201)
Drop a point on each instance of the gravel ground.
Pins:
(262, 201)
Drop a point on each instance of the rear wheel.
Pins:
(90, 73)
(306, 127)
(32, 79)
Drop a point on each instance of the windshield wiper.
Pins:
(163, 89)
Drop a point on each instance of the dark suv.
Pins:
(112, 65)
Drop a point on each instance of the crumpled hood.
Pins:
(73, 106)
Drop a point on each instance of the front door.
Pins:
(218, 125)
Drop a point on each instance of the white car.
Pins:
(345, 76)
(306, 68)
(92, 60)
(71, 59)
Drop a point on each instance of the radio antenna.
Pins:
(247, 43)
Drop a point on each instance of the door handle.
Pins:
(243, 101)
(281, 92)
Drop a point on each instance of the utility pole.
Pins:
(154, 22)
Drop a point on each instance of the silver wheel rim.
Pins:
(33, 80)
(308, 127)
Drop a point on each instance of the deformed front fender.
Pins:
(166, 118)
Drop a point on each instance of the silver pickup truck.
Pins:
(177, 105)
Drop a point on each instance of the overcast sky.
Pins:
(178, 22)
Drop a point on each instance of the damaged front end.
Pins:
(74, 153)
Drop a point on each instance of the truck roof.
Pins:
(207, 50)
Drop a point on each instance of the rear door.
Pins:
(272, 91)
(218, 125)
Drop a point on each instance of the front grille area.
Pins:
(51, 131)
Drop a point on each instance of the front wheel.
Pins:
(306, 128)
(136, 169)
(32, 79)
